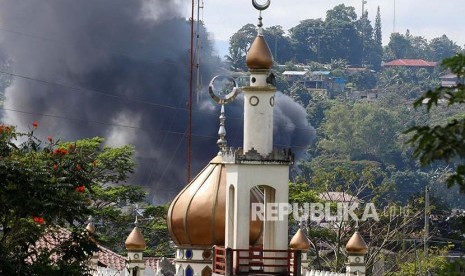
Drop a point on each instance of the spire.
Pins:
(135, 240)
(222, 143)
(90, 226)
(356, 244)
(259, 55)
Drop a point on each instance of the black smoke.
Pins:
(120, 69)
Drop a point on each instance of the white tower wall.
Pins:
(258, 113)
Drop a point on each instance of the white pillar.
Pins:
(258, 113)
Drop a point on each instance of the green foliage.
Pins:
(239, 44)
(360, 131)
(47, 186)
(435, 265)
(443, 142)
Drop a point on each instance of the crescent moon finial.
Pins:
(261, 7)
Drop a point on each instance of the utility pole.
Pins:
(427, 213)
(394, 20)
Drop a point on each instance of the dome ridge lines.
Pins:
(212, 169)
(173, 203)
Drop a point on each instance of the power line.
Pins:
(93, 48)
(123, 98)
(121, 125)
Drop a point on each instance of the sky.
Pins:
(425, 18)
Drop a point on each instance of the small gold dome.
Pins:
(300, 241)
(356, 244)
(135, 241)
(90, 228)
(259, 55)
(196, 217)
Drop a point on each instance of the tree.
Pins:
(443, 142)
(341, 40)
(399, 46)
(442, 47)
(376, 54)
(44, 188)
(361, 131)
(280, 45)
(239, 44)
(359, 181)
(306, 39)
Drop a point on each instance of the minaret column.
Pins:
(258, 113)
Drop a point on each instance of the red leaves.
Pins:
(50, 139)
(35, 124)
(80, 189)
(60, 152)
(55, 167)
(38, 219)
(5, 129)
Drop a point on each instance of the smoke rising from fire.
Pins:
(120, 69)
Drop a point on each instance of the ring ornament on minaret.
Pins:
(261, 7)
(223, 96)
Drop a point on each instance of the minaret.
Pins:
(356, 250)
(259, 97)
(300, 244)
(135, 245)
(258, 165)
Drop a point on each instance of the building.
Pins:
(321, 83)
(449, 80)
(211, 220)
(410, 63)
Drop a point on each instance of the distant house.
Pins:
(317, 82)
(366, 95)
(410, 63)
(294, 75)
(449, 80)
(339, 197)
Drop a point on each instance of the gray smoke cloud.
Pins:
(123, 74)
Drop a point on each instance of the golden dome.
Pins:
(300, 241)
(356, 244)
(259, 55)
(135, 240)
(90, 228)
(196, 217)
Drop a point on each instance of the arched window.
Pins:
(189, 271)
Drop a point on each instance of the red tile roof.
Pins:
(411, 63)
(106, 257)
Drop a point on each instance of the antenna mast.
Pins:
(191, 77)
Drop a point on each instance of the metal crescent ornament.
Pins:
(223, 99)
(261, 7)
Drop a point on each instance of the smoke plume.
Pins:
(120, 69)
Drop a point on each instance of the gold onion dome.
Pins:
(300, 241)
(135, 240)
(259, 55)
(196, 217)
(356, 244)
(90, 228)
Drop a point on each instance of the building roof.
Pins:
(106, 257)
(294, 73)
(410, 63)
(338, 197)
(448, 76)
(318, 73)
